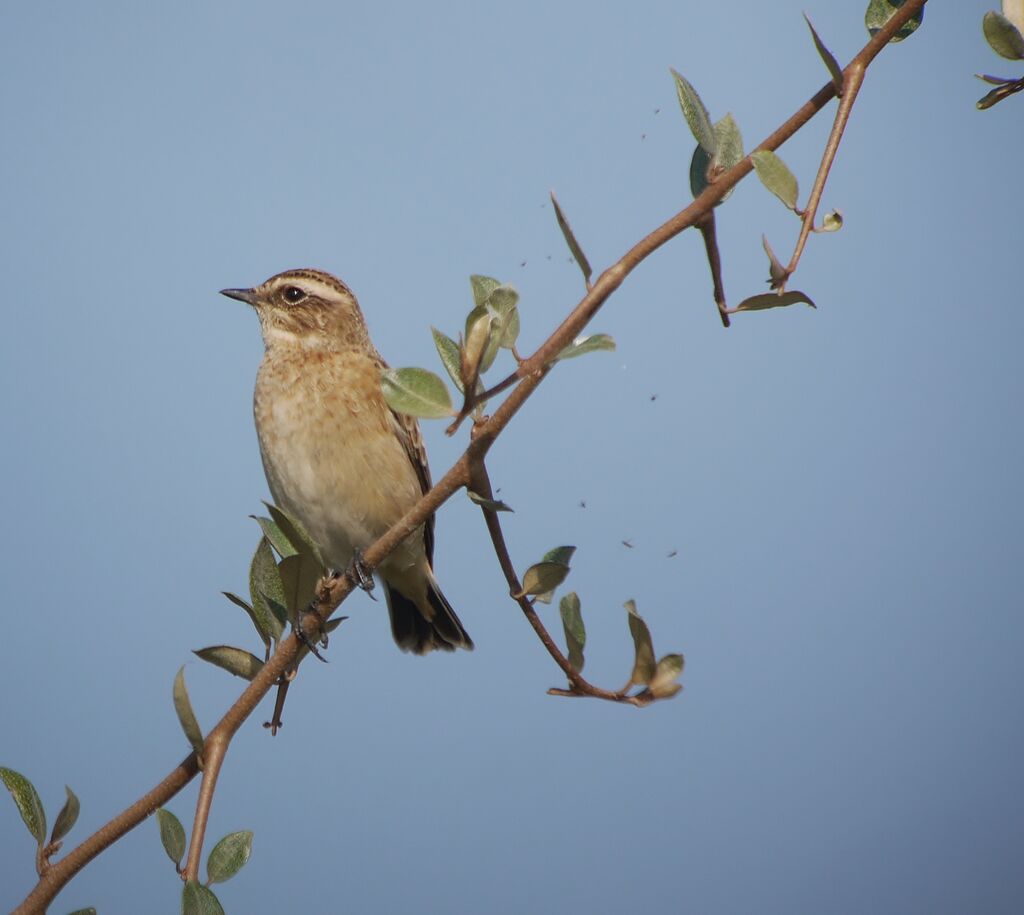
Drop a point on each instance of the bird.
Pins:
(336, 456)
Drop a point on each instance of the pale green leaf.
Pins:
(696, 114)
(503, 305)
(575, 633)
(416, 392)
(197, 899)
(299, 577)
(451, 359)
(492, 504)
(776, 271)
(543, 578)
(879, 12)
(591, 344)
(482, 287)
(264, 587)
(772, 300)
(295, 533)
(835, 71)
(663, 683)
(278, 540)
(643, 663)
(776, 176)
(729, 146)
(235, 661)
(26, 799)
(1003, 36)
(172, 835)
(832, 222)
(67, 817)
(229, 856)
(187, 717)
(570, 240)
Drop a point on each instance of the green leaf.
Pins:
(492, 504)
(835, 71)
(296, 534)
(772, 300)
(776, 271)
(482, 287)
(1003, 36)
(480, 347)
(570, 240)
(172, 835)
(265, 586)
(776, 176)
(229, 856)
(703, 167)
(299, 576)
(561, 554)
(67, 817)
(832, 222)
(543, 578)
(448, 350)
(503, 305)
(582, 345)
(572, 623)
(187, 717)
(27, 801)
(278, 539)
(197, 899)
(695, 113)
(663, 684)
(88, 911)
(879, 12)
(234, 660)
(416, 392)
(643, 663)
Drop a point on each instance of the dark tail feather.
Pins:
(414, 632)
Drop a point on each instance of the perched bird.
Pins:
(336, 456)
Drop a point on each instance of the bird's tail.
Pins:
(425, 625)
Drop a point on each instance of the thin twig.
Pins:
(710, 236)
(853, 79)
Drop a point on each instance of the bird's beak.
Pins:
(243, 295)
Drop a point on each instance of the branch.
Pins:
(531, 372)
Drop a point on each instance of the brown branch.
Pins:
(707, 231)
(531, 372)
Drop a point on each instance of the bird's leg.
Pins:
(307, 618)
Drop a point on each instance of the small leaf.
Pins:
(26, 799)
(187, 717)
(704, 167)
(278, 540)
(88, 911)
(772, 300)
(570, 240)
(482, 287)
(480, 346)
(562, 554)
(695, 113)
(197, 899)
(663, 683)
(834, 69)
(265, 586)
(229, 856)
(299, 576)
(643, 664)
(416, 392)
(776, 176)
(296, 534)
(234, 660)
(591, 344)
(172, 835)
(879, 12)
(1003, 36)
(543, 578)
(832, 222)
(67, 817)
(777, 273)
(448, 350)
(492, 504)
(572, 623)
(334, 623)
(502, 303)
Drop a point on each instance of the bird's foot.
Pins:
(308, 622)
(359, 574)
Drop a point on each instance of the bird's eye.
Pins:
(293, 294)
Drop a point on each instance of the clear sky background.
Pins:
(841, 487)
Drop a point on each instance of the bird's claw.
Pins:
(359, 574)
(301, 622)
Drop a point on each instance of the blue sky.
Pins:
(841, 487)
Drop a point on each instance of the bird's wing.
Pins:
(408, 432)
